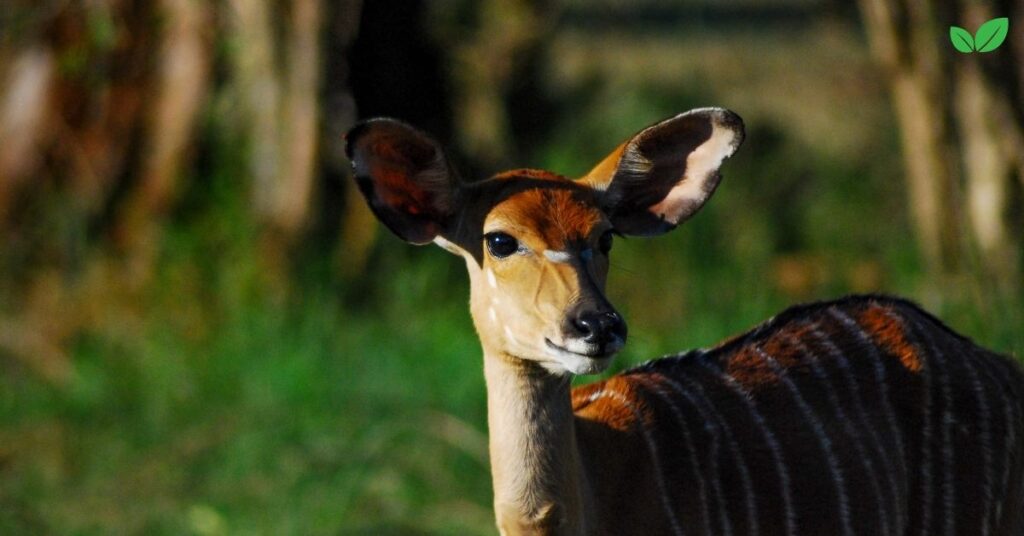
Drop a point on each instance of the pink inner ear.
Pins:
(700, 178)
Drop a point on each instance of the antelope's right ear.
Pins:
(404, 176)
(664, 174)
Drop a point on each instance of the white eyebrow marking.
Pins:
(557, 256)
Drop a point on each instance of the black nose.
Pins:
(599, 327)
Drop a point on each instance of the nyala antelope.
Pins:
(864, 415)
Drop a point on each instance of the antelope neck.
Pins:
(535, 464)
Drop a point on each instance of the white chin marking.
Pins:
(578, 364)
(572, 358)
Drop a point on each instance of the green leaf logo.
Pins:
(962, 39)
(991, 34)
(988, 38)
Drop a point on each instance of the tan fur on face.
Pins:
(528, 292)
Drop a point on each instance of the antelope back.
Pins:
(860, 416)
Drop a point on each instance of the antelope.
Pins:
(863, 415)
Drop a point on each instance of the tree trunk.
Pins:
(992, 140)
(278, 80)
(961, 130)
(486, 64)
(24, 102)
(180, 85)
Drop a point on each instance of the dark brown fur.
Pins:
(919, 357)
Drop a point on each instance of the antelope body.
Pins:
(859, 416)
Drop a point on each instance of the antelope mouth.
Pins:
(590, 351)
(586, 358)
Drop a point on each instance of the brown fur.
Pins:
(555, 216)
(888, 332)
(751, 370)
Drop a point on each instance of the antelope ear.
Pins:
(404, 176)
(664, 174)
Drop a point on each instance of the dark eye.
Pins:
(501, 245)
(605, 242)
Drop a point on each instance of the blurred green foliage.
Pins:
(232, 406)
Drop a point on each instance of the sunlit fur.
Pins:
(531, 294)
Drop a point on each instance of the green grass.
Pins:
(229, 406)
(281, 419)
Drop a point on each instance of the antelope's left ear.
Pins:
(404, 176)
(664, 174)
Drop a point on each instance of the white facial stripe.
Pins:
(492, 314)
(511, 336)
(491, 279)
(557, 256)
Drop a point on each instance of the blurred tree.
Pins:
(277, 78)
(962, 129)
(179, 84)
(100, 104)
(495, 45)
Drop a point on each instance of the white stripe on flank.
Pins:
(927, 464)
(843, 500)
(734, 449)
(984, 436)
(946, 434)
(691, 450)
(862, 453)
(890, 414)
(1010, 371)
(713, 469)
(770, 439)
(652, 448)
(891, 527)
(948, 420)
(1009, 437)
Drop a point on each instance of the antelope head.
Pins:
(536, 244)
